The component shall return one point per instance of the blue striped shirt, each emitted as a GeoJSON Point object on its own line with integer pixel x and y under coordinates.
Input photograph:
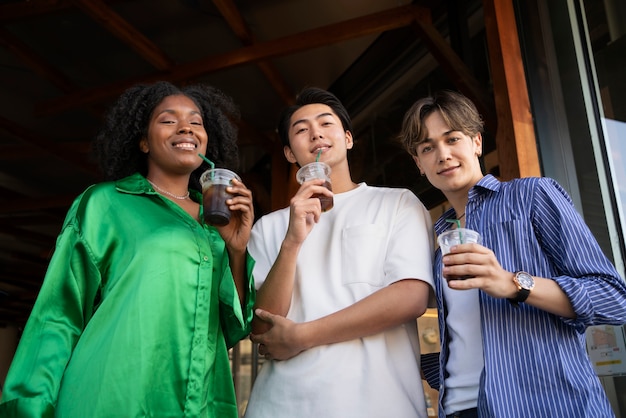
{"type": "Point", "coordinates": [536, 364]}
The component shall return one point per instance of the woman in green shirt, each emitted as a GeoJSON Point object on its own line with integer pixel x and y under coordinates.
{"type": "Point", "coordinates": [142, 299]}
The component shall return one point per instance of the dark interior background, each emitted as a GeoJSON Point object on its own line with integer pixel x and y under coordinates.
{"type": "Point", "coordinates": [62, 62]}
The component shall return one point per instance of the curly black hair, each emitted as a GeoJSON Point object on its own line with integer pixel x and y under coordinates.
{"type": "Point", "coordinates": [116, 145]}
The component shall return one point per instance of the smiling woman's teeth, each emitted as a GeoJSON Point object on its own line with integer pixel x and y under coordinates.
{"type": "Point", "coordinates": [186, 146]}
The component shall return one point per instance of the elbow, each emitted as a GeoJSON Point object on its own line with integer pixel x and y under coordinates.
{"type": "Point", "coordinates": [421, 310]}
{"type": "Point", "coordinates": [418, 293]}
{"type": "Point", "coordinates": [417, 309]}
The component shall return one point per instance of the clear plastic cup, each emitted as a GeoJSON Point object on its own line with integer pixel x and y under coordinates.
{"type": "Point", "coordinates": [214, 195]}
{"type": "Point", "coordinates": [455, 237]}
{"type": "Point", "coordinates": [317, 170]}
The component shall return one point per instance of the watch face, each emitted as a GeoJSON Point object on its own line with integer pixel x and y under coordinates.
{"type": "Point", "coordinates": [525, 280]}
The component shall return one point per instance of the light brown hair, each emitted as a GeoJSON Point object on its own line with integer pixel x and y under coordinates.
{"type": "Point", "coordinates": [458, 111]}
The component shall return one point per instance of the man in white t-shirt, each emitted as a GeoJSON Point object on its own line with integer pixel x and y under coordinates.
{"type": "Point", "coordinates": [338, 291]}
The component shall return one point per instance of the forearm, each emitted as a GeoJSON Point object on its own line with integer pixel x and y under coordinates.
{"type": "Point", "coordinates": [391, 306]}
{"type": "Point", "coordinates": [548, 296]}
{"type": "Point", "coordinates": [276, 292]}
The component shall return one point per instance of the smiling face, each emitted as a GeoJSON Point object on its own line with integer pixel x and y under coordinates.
{"type": "Point", "coordinates": [448, 158]}
{"type": "Point", "coordinates": [176, 136]}
{"type": "Point", "coordinates": [315, 128]}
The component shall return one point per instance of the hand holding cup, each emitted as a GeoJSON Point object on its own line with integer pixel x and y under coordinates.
{"type": "Point", "coordinates": [454, 237]}
{"type": "Point", "coordinates": [214, 195]}
{"type": "Point", "coordinates": [317, 170]}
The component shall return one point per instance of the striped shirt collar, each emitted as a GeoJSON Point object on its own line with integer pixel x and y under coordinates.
{"type": "Point", "coordinates": [487, 183]}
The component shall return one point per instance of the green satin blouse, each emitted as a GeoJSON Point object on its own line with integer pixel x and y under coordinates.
{"type": "Point", "coordinates": [135, 315]}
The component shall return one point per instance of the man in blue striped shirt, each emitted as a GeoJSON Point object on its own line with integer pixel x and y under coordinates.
{"type": "Point", "coordinates": [513, 333]}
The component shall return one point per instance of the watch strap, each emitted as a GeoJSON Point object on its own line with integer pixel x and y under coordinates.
{"type": "Point", "coordinates": [522, 295]}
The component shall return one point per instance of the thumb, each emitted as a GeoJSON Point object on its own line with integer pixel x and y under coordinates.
{"type": "Point", "coordinates": [264, 316]}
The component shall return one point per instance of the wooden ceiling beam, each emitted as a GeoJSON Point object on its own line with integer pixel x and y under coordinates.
{"type": "Point", "coordinates": [120, 28]}
{"type": "Point", "coordinates": [34, 62]}
{"type": "Point", "coordinates": [40, 66]}
{"type": "Point", "coordinates": [456, 70]}
{"type": "Point", "coordinates": [124, 31]}
{"type": "Point", "coordinates": [330, 34]}
{"type": "Point", "coordinates": [235, 21]}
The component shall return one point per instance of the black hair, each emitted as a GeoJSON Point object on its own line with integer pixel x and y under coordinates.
{"type": "Point", "coordinates": [116, 145]}
{"type": "Point", "coordinates": [312, 95]}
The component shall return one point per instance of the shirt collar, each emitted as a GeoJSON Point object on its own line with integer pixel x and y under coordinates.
{"type": "Point", "coordinates": [487, 183]}
{"type": "Point", "coordinates": [134, 184]}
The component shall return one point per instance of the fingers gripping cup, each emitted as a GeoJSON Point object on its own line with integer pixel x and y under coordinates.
{"type": "Point", "coordinates": [214, 195]}
{"type": "Point", "coordinates": [455, 237]}
{"type": "Point", "coordinates": [317, 170]}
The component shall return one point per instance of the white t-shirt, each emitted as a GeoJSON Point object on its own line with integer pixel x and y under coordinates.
{"type": "Point", "coordinates": [372, 237]}
{"type": "Point", "coordinates": [464, 342]}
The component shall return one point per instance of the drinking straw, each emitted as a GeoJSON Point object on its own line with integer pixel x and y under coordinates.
{"type": "Point", "coordinates": [458, 226]}
{"type": "Point", "coordinates": [210, 163]}
{"type": "Point", "coordinates": [318, 156]}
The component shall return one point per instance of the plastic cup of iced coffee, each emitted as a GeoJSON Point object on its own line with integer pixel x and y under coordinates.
{"type": "Point", "coordinates": [454, 237]}
{"type": "Point", "coordinates": [214, 195]}
{"type": "Point", "coordinates": [317, 170]}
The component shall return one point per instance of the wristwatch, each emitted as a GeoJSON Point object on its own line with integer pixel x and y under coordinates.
{"type": "Point", "coordinates": [525, 284]}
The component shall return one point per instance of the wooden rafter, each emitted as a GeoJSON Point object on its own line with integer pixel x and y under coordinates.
{"type": "Point", "coordinates": [123, 30]}
{"type": "Point", "coordinates": [330, 34]}
{"type": "Point", "coordinates": [234, 19]}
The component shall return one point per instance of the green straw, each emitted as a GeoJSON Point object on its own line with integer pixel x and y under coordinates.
{"type": "Point", "coordinates": [458, 226]}
{"type": "Point", "coordinates": [209, 162]}
{"type": "Point", "coordinates": [318, 156]}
